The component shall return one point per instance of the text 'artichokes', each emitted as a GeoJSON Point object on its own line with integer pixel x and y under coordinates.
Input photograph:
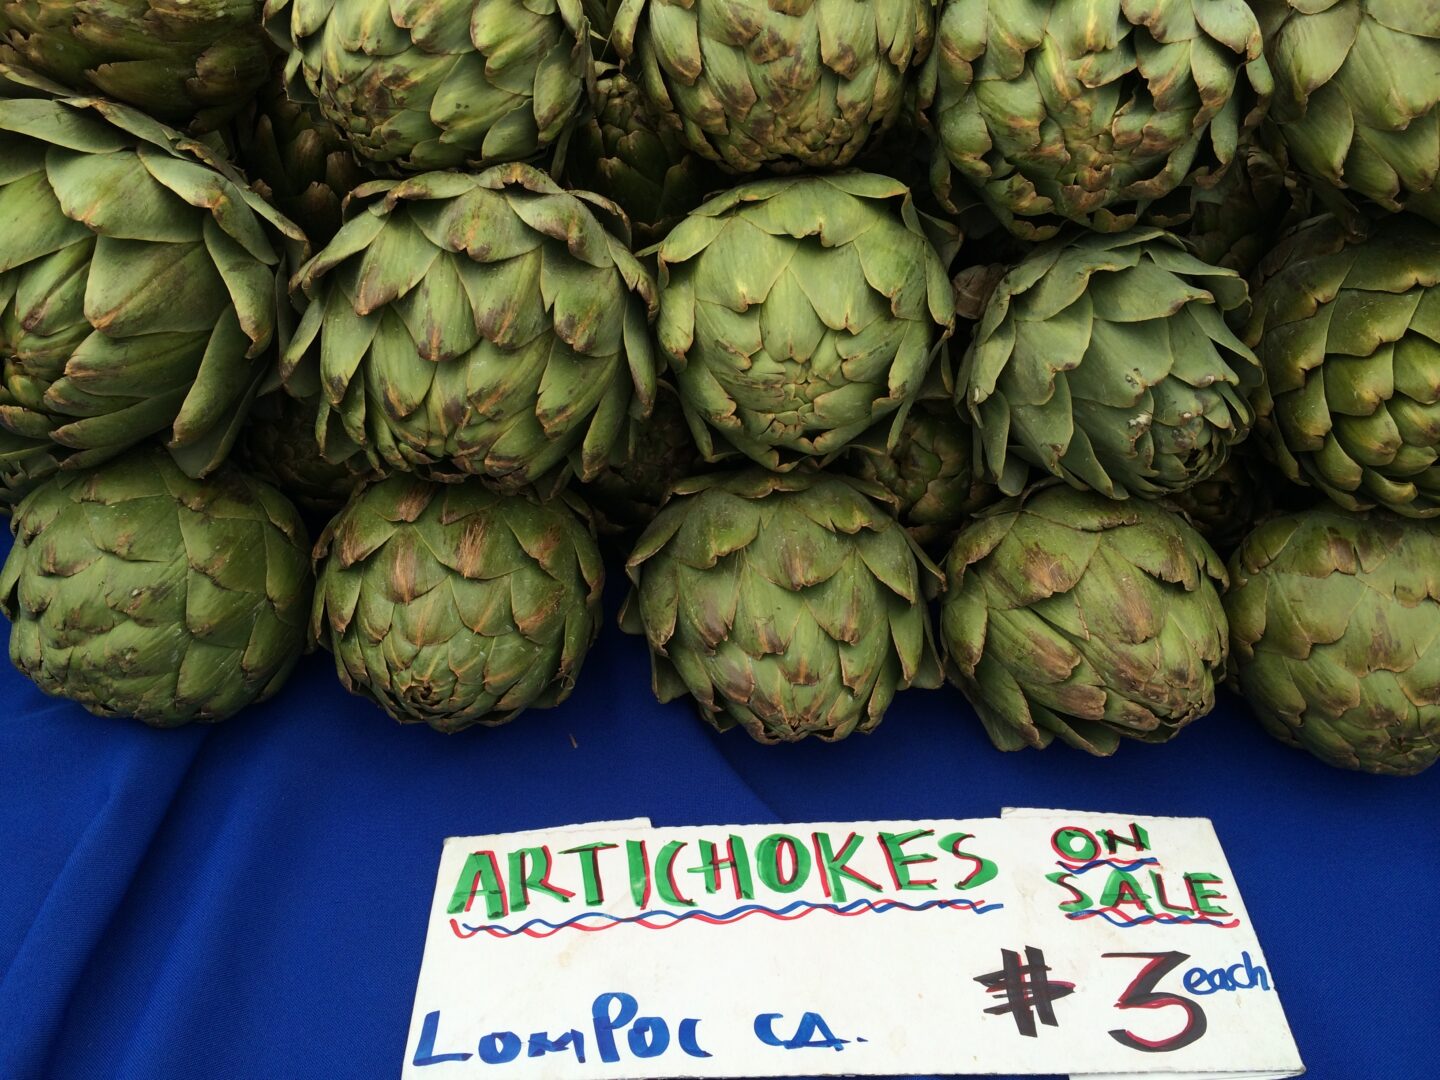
{"type": "Point", "coordinates": [1335, 636]}
{"type": "Point", "coordinates": [451, 604]}
{"type": "Point", "coordinates": [475, 324]}
{"type": "Point", "coordinates": [138, 286]}
{"type": "Point", "coordinates": [180, 61]}
{"type": "Point", "coordinates": [791, 605]}
{"type": "Point", "coordinates": [797, 312]}
{"type": "Point", "coordinates": [1091, 111]}
{"type": "Point", "coordinates": [137, 591]}
{"type": "Point", "coordinates": [1106, 360]}
{"type": "Point", "coordinates": [1357, 95]}
{"type": "Point", "coordinates": [784, 83]}
{"type": "Point", "coordinates": [1069, 616]}
{"type": "Point", "coordinates": [420, 86]}
{"type": "Point", "coordinates": [1349, 332]}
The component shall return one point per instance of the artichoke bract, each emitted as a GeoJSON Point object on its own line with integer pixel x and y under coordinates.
{"type": "Point", "coordinates": [788, 84]}
{"type": "Point", "coordinates": [622, 152]}
{"type": "Point", "coordinates": [797, 312]}
{"type": "Point", "coordinates": [453, 605]}
{"type": "Point", "coordinates": [1357, 100]}
{"type": "Point", "coordinates": [1090, 111]}
{"type": "Point", "coordinates": [1073, 617]}
{"type": "Point", "coordinates": [1106, 360]}
{"type": "Point", "coordinates": [482, 324]}
{"type": "Point", "coordinates": [1225, 506]}
{"type": "Point", "coordinates": [137, 591]}
{"type": "Point", "coordinates": [415, 86]}
{"type": "Point", "coordinates": [138, 286]}
{"type": "Point", "coordinates": [791, 605]}
{"type": "Point", "coordinates": [185, 62]}
{"type": "Point", "coordinates": [1335, 636]}
{"type": "Point", "coordinates": [1349, 332]}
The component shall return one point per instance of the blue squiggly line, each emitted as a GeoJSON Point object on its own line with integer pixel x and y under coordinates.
{"type": "Point", "coordinates": [1128, 868]}
{"type": "Point", "coordinates": [1125, 921]}
{"type": "Point", "coordinates": [855, 906]}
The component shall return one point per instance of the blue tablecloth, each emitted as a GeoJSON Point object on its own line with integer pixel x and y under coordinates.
{"type": "Point", "coordinates": [167, 898]}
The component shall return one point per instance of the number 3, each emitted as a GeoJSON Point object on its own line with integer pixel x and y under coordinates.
{"type": "Point", "coordinates": [1140, 994]}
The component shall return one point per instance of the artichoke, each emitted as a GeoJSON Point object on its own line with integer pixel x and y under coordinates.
{"type": "Point", "coordinates": [790, 604]}
{"type": "Point", "coordinates": [1349, 332]}
{"type": "Point", "coordinates": [1228, 503]}
{"type": "Point", "coordinates": [797, 312]}
{"type": "Point", "coordinates": [1335, 636]}
{"type": "Point", "coordinates": [415, 86]}
{"type": "Point", "coordinates": [929, 471]}
{"type": "Point", "coordinates": [279, 447]}
{"type": "Point", "coordinates": [622, 153]}
{"type": "Point", "coordinates": [138, 286]}
{"type": "Point", "coordinates": [1071, 616]}
{"type": "Point", "coordinates": [1235, 223]}
{"type": "Point", "coordinates": [1090, 111]}
{"type": "Point", "coordinates": [452, 605]}
{"type": "Point", "coordinates": [137, 591]}
{"type": "Point", "coordinates": [789, 84]}
{"type": "Point", "coordinates": [1106, 360]}
{"type": "Point", "coordinates": [474, 325]}
{"type": "Point", "coordinates": [1357, 98]}
{"type": "Point", "coordinates": [647, 461]}
{"type": "Point", "coordinates": [182, 61]}
{"type": "Point", "coordinates": [297, 160]}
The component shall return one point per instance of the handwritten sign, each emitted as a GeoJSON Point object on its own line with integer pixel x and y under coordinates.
{"type": "Point", "coordinates": [1041, 942]}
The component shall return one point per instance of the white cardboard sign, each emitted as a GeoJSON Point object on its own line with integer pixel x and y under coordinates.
{"type": "Point", "coordinates": [1102, 945]}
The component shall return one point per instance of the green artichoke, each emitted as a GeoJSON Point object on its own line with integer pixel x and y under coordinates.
{"type": "Point", "coordinates": [646, 462]}
{"type": "Point", "coordinates": [416, 86]}
{"type": "Point", "coordinates": [929, 471]}
{"type": "Point", "coordinates": [279, 447]}
{"type": "Point", "coordinates": [482, 324]}
{"type": "Point", "coordinates": [1357, 95]}
{"type": "Point", "coordinates": [791, 604]}
{"type": "Point", "coordinates": [452, 605]}
{"type": "Point", "coordinates": [1335, 636]}
{"type": "Point", "coordinates": [788, 84]}
{"type": "Point", "coordinates": [1235, 223]}
{"type": "Point", "coordinates": [1071, 616]}
{"type": "Point", "coordinates": [297, 160]}
{"type": "Point", "coordinates": [1090, 111]}
{"type": "Point", "coordinates": [797, 312]}
{"type": "Point", "coordinates": [138, 287]}
{"type": "Point", "coordinates": [137, 591]}
{"type": "Point", "coordinates": [1349, 332]}
{"type": "Point", "coordinates": [181, 61]}
{"type": "Point", "coordinates": [1225, 506]}
{"type": "Point", "coordinates": [620, 151]}
{"type": "Point", "coordinates": [1106, 360]}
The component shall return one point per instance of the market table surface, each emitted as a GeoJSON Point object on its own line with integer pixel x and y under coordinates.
{"type": "Point", "coordinates": [249, 899]}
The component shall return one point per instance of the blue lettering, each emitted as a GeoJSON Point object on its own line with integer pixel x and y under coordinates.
{"type": "Point", "coordinates": [650, 1037]}
{"type": "Point", "coordinates": [541, 1044]}
{"type": "Point", "coordinates": [606, 1025]}
{"type": "Point", "coordinates": [689, 1041]}
{"type": "Point", "coordinates": [499, 1047]}
{"type": "Point", "coordinates": [812, 1032]}
{"type": "Point", "coordinates": [1205, 982]}
{"type": "Point", "coordinates": [425, 1050]}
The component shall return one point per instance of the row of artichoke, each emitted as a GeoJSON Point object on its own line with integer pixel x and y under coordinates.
{"type": "Point", "coordinates": [470, 284]}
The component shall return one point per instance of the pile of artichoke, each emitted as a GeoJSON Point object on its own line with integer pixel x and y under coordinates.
{"type": "Point", "coordinates": [882, 343]}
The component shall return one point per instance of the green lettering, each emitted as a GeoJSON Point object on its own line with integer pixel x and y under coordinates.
{"type": "Point", "coordinates": [480, 874]}
{"type": "Point", "coordinates": [899, 862]}
{"type": "Point", "coordinates": [1201, 895]}
{"type": "Point", "coordinates": [590, 870]}
{"type": "Point", "coordinates": [768, 855]}
{"type": "Point", "coordinates": [984, 870]}
{"type": "Point", "coordinates": [833, 868]}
